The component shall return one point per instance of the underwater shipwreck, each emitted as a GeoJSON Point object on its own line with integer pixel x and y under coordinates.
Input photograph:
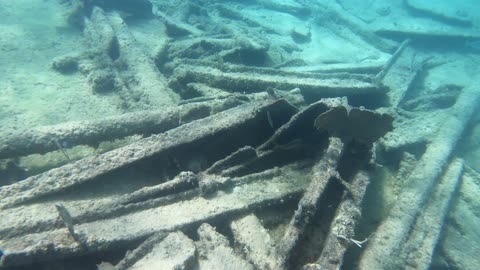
{"type": "Point", "coordinates": [239, 138]}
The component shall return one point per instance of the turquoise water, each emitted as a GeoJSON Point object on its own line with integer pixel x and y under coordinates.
{"type": "Point", "coordinates": [119, 119]}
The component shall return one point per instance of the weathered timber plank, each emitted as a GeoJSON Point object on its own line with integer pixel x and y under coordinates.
{"type": "Point", "coordinates": [43, 139]}
{"type": "Point", "coordinates": [342, 229]}
{"type": "Point", "coordinates": [419, 248]}
{"type": "Point", "coordinates": [252, 238]}
{"type": "Point", "coordinates": [157, 254]}
{"type": "Point", "coordinates": [401, 71]}
{"type": "Point", "coordinates": [317, 85]}
{"type": "Point", "coordinates": [104, 234]}
{"type": "Point", "coordinates": [322, 173]}
{"type": "Point", "coordinates": [87, 169]}
{"type": "Point", "coordinates": [385, 246]}
{"type": "Point", "coordinates": [215, 251]}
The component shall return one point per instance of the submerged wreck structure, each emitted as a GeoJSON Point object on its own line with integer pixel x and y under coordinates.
{"type": "Point", "coordinates": [236, 153]}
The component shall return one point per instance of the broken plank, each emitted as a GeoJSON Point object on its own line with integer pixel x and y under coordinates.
{"type": "Point", "coordinates": [416, 130]}
{"type": "Point", "coordinates": [294, 8]}
{"type": "Point", "coordinates": [317, 85]}
{"type": "Point", "coordinates": [105, 234]}
{"type": "Point", "coordinates": [342, 228]}
{"type": "Point", "coordinates": [215, 252]}
{"type": "Point", "coordinates": [452, 12]}
{"type": "Point", "coordinates": [142, 74]}
{"type": "Point", "coordinates": [300, 123]}
{"type": "Point", "coordinates": [254, 240]}
{"type": "Point", "coordinates": [418, 251]}
{"type": "Point", "coordinates": [364, 67]}
{"type": "Point", "coordinates": [322, 173]}
{"type": "Point", "coordinates": [42, 139]}
{"type": "Point", "coordinates": [252, 115]}
{"type": "Point", "coordinates": [384, 248]}
{"type": "Point", "coordinates": [332, 14]}
{"type": "Point", "coordinates": [400, 72]}
{"type": "Point", "coordinates": [174, 27]}
{"type": "Point", "coordinates": [161, 252]}
{"type": "Point", "coordinates": [18, 221]}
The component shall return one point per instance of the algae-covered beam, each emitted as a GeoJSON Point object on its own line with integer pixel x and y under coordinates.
{"type": "Point", "coordinates": [453, 14]}
{"type": "Point", "coordinates": [300, 123]}
{"type": "Point", "coordinates": [141, 74]}
{"type": "Point", "coordinates": [156, 251]}
{"type": "Point", "coordinates": [400, 72]}
{"type": "Point", "coordinates": [236, 14]}
{"type": "Point", "coordinates": [418, 251]}
{"type": "Point", "coordinates": [120, 63]}
{"type": "Point", "coordinates": [322, 173]}
{"type": "Point", "coordinates": [333, 15]}
{"type": "Point", "coordinates": [43, 139]}
{"type": "Point", "coordinates": [115, 232]}
{"type": "Point", "coordinates": [251, 237]}
{"type": "Point", "coordinates": [314, 85]}
{"type": "Point", "coordinates": [393, 59]}
{"type": "Point", "coordinates": [174, 27]}
{"type": "Point", "coordinates": [367, 67]}
{"type": "Point", "coordinates": [342, 229]}
{"type": "Point", "coordinates": [385, 246]}
{"type": "Point", "coordinates": [215, 252]}
{"type": "Point", "coordinates": [18, 221]}
{"type": "Point", "coordinates": [227, 123]}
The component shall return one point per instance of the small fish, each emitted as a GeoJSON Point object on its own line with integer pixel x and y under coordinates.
{"type": "Point", "coordinates": [269, 118]}
{"type": "Point", "coordinates": [66, 144]}
{"type": "Point", "coordinates": [62, 149]}
{"type": "Point", "coordinates": [67, 221]}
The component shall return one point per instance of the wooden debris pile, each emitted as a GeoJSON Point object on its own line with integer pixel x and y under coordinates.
{"type": "Point", "coordinates": [252, 158]}
{"type": "Point", "coordinates": [270, 167]}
